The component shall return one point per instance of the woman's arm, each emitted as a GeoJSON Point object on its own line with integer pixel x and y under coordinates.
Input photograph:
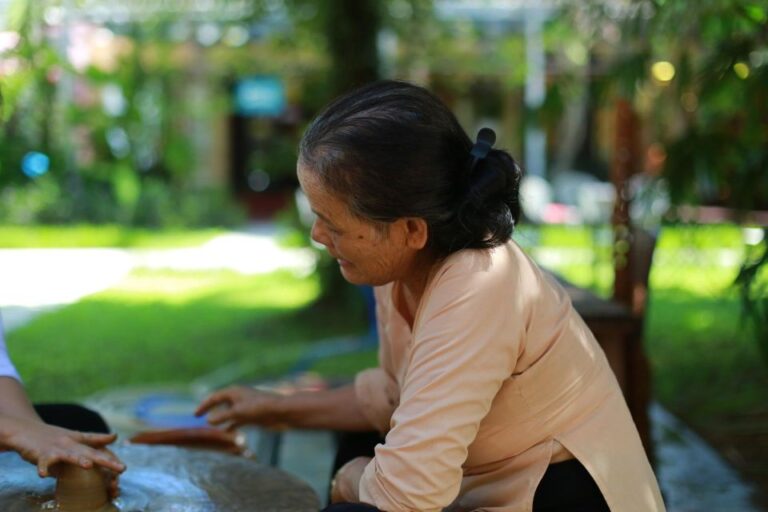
{"type": "Point", "coordinates": [14, 400]}
{"type": "Point", "coordinates": [46, 445]}
{"type": "Point", "coordinates": [22, 430]}
{"type": "Point", "coordinates": [336, 409]}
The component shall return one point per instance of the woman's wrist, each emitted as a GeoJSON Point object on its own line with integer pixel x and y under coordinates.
{"type": "Point", "coordinates": [281, 410]}
{"type": "Point", "coordinates": [346, 482]}
{"type": "Point", "coordinates": [8, 430]}
{"type": "Point", "coordinates": [295, 410]}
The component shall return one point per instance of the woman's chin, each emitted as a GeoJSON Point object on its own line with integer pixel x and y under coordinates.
{"type": "Point", "coordinates": [348, 274]}
{"type": "Point", "coordinates": [351, 276]}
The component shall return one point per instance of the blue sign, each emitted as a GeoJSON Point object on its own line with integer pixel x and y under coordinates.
{"type": "Point", "coordinates": [260, 96]}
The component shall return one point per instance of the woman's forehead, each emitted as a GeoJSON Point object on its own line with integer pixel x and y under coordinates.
{"type": "Point", "coordinates": [323, 200]}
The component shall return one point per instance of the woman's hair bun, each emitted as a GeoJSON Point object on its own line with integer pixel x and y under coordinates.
{"type": "Point", "coordinates": [491, 208]}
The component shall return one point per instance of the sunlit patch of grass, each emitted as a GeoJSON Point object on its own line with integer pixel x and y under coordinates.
{"type": "Point", "coordinates": [108, 235]}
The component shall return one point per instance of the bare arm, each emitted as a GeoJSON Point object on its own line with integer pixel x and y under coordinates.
{"type": "Point", "coordinates": [335, 409]}
{"type": "Point", "coordinates": [14, 400]}
{"type": "Point", "coordinates": [22, 430]}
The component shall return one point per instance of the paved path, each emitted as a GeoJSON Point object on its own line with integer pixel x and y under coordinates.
{"type": "Point", "coordinates": [37, 280]}
{"type": "Point", "coordinates": [693, 476]}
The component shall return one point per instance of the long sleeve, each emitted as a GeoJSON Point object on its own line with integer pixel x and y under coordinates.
{"type": "Point", "coordinates": [376, 392]}
{"type": "Point", "coordinates": [6, 366]}
{"type": "Point", "coordinates": [466, 340]}
{"type": "Point", "coordinates": [376, 389]}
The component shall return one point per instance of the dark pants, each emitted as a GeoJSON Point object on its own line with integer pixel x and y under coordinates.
{"type": "Point", "coordinates": [565, 487]}
{"type": "Point", "coordinates": [73, 417]}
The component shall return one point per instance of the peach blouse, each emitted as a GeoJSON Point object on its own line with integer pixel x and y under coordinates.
{"type": "Point", "coordinates": [497, 374]}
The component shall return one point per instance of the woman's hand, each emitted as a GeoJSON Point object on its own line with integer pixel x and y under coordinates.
{"type": "Point", "coordinates": [239, 405]}
{"type": "Point", "coordinates": [45, 445]}
{"type": "Point", "coordinates": [109, 476]}
{"type": "Point", "coordinates": [345, 484]}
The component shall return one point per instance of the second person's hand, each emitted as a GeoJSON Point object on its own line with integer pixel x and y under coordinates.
{"type": "Point", "coordinates": [240, 405]}
{"type": "Point", "coordinates": [46, 445]}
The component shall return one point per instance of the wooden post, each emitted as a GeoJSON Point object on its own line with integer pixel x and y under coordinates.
{"type": "Point", "coordinates": [629, 254]}
{"type": "Point", "coordinates": [624, 165]}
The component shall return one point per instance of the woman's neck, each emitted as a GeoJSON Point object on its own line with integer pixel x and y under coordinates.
{"type": "Point", "coordinates": [412, 286]}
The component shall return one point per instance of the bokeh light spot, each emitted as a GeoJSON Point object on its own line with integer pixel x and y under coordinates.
{"type": "Point", "coordinates": [741, 69]}
{"type": "Point", "coordinates": [35, 164]}
{"type": "Point", "coordinates": [663, 71]}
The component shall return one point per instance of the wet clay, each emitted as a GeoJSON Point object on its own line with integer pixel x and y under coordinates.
{"type": "Point", "coordinates": [204, 438]}
{"type": "Point", "coordinates": [80, 490]}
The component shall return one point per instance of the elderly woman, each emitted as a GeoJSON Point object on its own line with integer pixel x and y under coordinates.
{"type": "Point", "coordinates": [491, 393]}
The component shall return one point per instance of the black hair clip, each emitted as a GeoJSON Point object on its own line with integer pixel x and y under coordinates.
{"type": "Point", "coordinates": [485, 140]}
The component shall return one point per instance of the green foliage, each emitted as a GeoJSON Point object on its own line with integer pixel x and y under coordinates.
{"type": "Point", "coordinates": [124, 133]}
{"type": "Point", "coordinates": [158, 205]}
{"type": "Point", "coordinates": [38, 202]}
{"type": "Point", "coordinates": [752, 281]}
{"type": "Point", "coordinates": [715, 147]}
{"type": "Point", "coordinates": [149, 204]}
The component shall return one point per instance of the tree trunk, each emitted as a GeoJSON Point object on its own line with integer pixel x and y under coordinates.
{"type": "Point", "coordinates": [352, 27]}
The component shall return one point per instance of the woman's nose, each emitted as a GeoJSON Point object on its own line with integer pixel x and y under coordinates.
{"type": "Point", "coordinates": [318, 234]}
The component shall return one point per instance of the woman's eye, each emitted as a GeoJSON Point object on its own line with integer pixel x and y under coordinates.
{"type": "Point", "coordinates": [331, 229]}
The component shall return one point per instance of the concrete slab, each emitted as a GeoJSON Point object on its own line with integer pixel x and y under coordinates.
{"type": "Point", "coordinates": [309, 455]}
{"type": "Point", "coordinates": [692, 475]}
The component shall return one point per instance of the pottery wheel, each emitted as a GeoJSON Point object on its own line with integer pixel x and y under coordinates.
{"type": "Point", "coordinates": [170, 479]}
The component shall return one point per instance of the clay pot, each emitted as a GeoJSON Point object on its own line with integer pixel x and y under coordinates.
{"type": "Point", "coordinates": [80, 490]}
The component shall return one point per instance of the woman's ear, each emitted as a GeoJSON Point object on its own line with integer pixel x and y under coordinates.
{"type": "Point", "coordinates": [416, 232]}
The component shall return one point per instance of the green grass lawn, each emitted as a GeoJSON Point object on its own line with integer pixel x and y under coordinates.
{"type": "Point", "coordinates": [171, 327]}
{"type": "Point", "coordinates": [13, 237]}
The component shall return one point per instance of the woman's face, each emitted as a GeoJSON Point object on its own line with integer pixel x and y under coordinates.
{"type": "Point", "coordinates": [366, 254]}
